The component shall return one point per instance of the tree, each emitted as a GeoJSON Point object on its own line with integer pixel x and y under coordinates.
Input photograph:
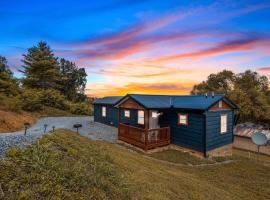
{"type": "Point", "coordinates": [8, 84]}
{"type": "Point", "coordinates": [221, 83]}
{"type": "Point", "coordinates": [73, 80]}
{"type": "Point", "coordinates": [41, 68]}
{"type": "Point", "coordinates": [249, 90]}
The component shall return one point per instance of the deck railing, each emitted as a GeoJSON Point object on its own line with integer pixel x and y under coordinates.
{"type": "Point", "coordinates": [144, 138]}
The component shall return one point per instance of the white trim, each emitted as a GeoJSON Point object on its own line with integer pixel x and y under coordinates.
{"type": "Point", "coordinates": [220, 104]}
{"type": "Point", "coordinates": [127, 113]}
{"type": "Point", "coordinates": [141, 117]}
{"type": "Point", "coordinates": [223, 123]}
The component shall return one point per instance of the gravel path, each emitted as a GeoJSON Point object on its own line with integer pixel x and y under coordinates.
{"type": "Point", "coordinates": [90, 129]}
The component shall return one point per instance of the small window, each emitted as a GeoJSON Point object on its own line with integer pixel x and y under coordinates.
{"type": "Point", "coordinates": [127, 113]}
{"type": "Point", "coordinates": [140, 117]}
{"type": "Point", "coordinates": [154, 114]}
{"type": "Point", "coordinates": [220, 104]}
{"type": "Point", "coordinates": [182, 119]}
{"type": "Point", "coordinates": [103, 111]}
{"type": "Point", "coordinates": [223, 123]}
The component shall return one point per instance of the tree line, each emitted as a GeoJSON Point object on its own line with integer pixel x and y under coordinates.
{"type": "Point", "coordinates": [249, 90]}
{"type": "Point", "coordinates": [47, 81]}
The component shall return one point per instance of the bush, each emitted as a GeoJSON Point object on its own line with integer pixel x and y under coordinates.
{"type": "Point", "coordinates": [36, 99]}
{"type": "Point", "coordinates": [10, 103]}
{"type": "Point", "coordinates": [53, 98]}
{"type": "Point", "coordinates": [31, 100]}
{"type": "Point", "coordinates": [81, 108]}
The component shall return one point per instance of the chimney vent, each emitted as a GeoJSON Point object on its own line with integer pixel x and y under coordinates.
{"type": "Point", "coordinates": [213, 94]}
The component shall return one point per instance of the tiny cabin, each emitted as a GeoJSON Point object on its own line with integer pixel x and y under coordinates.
{"type": "Point", "coordinates": [105, 112]}
{"type": "Point", "coordinates": [198, 122]}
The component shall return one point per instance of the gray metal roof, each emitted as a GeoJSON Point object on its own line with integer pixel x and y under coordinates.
{"type": "Point", "coordinates": [199, 102]}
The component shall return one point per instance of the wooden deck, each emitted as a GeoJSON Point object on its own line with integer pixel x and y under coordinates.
{"type": "Point", "coordinates": [144, 138]}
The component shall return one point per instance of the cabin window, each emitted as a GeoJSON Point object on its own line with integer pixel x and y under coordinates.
{"type": "Point", "coordinates": [220, 104]}
{"type": "Point", "coordinates": [182, 119]}
{"type": "Point", "coordinates": [140, 117]}
{"type": "Point", "coordinates": [223, 123]}
{"type": "Point", "coordinates": [154, 114]}
{"type": "Point", "coordinates": [103, 111]}
{"type": "Point", "coordinates": [127, 113]}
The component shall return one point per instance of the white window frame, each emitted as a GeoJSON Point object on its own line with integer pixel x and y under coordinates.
{"type": "Point", "coordinates": [103, 111]}
{"type": "Point", "coordinates": [141, 117]}
{"type": "Point", "coordinates": [182, 119]}
{"type": "Point", "coordinates": [127, 113]}
{"type": "Point", "coordinates": [220, 104]}
{"type": "Point", "coordinates": [223, 123]}
{"type": "Point", "coordinates": [154, 114]}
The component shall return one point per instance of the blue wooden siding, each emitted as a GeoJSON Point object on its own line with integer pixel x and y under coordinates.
{"type": "Point", "coordinates": [111, 115]}
{"type": "Point", "coordinates": [214, 138]}
{"type": "Point", "coordinates": [132, 120]}
{"type": "Point", "coordinates": [190, 136]}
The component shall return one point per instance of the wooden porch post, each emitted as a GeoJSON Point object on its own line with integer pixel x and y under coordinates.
{"type": "Point", "coordinates": [118, 121]}
{"type": "Point", "coordinates": [146, 127]}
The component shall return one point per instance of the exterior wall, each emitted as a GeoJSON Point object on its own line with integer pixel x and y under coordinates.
{"type": "Point", "coordinates": [111, 115]}
{"type": "Point", "coordinates": [132, 120]}
{"type": "Point", "coordinates": [214, 138]}
{"type": "Point", "coordinates": [190, 136]}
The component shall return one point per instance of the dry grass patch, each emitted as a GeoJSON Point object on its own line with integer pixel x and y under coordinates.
{"type": "Point", "coordinates": [14, 121]}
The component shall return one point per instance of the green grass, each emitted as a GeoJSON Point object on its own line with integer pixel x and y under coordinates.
{"type": "Point", "coordinates": [62, 166]}
{"type": "Point", "coordinates": [184, 158]}
{"type": "Point", "coordinates": [68, 166]}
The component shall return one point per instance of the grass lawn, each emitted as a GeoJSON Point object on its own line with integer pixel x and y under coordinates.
{"type": "Point", "coordinates": [175, 156]}
{"type": "Point", "coordinates": [67, 166]}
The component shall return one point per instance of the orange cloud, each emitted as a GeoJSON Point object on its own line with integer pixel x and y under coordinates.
{"type": "Point", "coordinates": [153, 88]}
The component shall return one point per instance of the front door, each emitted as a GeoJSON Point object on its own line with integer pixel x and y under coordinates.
{"type": "Point", "coordinates": [153, 119]}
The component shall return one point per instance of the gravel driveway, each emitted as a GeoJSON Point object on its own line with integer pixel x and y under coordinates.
{"type": "Point", "coordinates": [90, 129]}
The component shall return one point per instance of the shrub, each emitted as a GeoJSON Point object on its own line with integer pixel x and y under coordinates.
{"type": "Point", "coordinates": [10, 103]}
{"type": "Point", "coordinates": [31, 100]}
{"type": "Point", "coordinates": [81, 108]}
{"type": "Point", "coordinates": [53, 98]}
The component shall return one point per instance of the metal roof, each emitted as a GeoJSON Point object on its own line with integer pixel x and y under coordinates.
{"type": "Point", "coordinates": [198, 102]}
{"type": "Point", "coordinates": [111, 100]}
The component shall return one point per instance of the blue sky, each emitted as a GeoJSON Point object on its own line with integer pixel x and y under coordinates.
{"type": "Point", "coordinates": [142, 45]}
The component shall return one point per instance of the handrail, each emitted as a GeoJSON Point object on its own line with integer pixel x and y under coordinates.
{"type": "Point", "coordinates": [144, 138]}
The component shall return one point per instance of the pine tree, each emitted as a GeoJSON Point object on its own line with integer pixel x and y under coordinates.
{"type": "Point", "coordinates": [73, 80]}
{"type": "Point", "coordinates": [8, 84]}
{"type": "Point", "coordinates": [41, 69]}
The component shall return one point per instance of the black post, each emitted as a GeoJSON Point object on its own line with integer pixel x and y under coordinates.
{"type": "Point", "coordinates": [26, 126]}
{"type": "Point", "coordinates": [45, 127]}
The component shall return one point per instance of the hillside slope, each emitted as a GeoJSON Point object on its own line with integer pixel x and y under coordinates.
{"type": "Point", "coordinates": [68, 166]}
{"type": "Point", "coordinates": [14, 121]}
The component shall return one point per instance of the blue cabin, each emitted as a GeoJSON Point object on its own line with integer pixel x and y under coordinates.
{"type": "Point", "coordinates": [105, 112]}
{"type": "Point", "coordinates": [198, 122]}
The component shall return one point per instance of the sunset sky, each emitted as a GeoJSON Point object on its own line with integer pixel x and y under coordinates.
{"type": "Point", "coordinates": [141, 46]}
